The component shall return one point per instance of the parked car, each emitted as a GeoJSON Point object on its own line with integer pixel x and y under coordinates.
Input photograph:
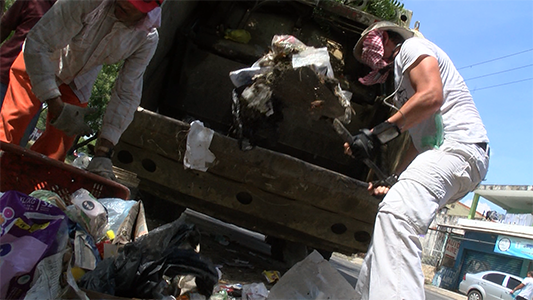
{"type": "Point", "coordinates": [489, 285]}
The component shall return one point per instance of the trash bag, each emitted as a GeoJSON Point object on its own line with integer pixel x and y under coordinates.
{"type": "Point", "coordinates": [138, 269]}
{"type": "Point", "coordinates": [30, 230]}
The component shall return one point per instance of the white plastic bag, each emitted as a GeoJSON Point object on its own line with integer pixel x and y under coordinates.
{"type": "Point", "coordinates": [197, 155]}
{"type": "Point", "coordinates": [312, 278]}
{"type": "Point", "coordinates": [317, 58]}
{"type": "Point", "coordinates": [254, 291]}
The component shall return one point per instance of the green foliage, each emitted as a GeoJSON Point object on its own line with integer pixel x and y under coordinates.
{"type": "Point", "coordinates": [101, 93]}
{"type": "Point", "coordinates": [383, 9]}
{"type": "Point", "coordinates": [8, 4]}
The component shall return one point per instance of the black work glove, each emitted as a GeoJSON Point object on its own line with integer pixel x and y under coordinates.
{"type": "Point", "coordinates": [366, 142]}
{"type": "Point", "coordinates": [388, 182]}
{"type": "Point", "coordinates": [363, 145]}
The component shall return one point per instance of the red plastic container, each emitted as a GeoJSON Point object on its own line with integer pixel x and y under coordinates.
{"type": "Point", "coordinates": [26, 171]}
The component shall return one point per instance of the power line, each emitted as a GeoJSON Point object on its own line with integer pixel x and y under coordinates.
{"type": "Point", "coordinates": [507, 83]}
{"type": "Point", "coordinates": [494, 59]}
{"type": "Point", "coordinates": [508, 70]}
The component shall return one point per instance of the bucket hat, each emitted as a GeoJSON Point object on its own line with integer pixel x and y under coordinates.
{"type": "Point", "coordinates": [146, 6]}
{"type": "Point", "coordinates": [382, 25]}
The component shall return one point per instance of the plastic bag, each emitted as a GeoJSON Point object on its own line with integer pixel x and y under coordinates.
{"type": "Point", "coordinates": [312, 278]}
{"type": "Point", "coordinates": [197, 155]}
{"type": "Point", "coordinates": [138, 269]}
{"type": "Point", "coordinates": [286, 44]}
{"type": "Point", "coordinates": [117, 210]}
{"type": "Point", "coordinates": [50, 197]}
{"type": "Point", "coordinates": [254, 291]}
{"type": "Point", "coordinates": [318, 59]}
{"type": "Point", "coordinates": [31, 229]}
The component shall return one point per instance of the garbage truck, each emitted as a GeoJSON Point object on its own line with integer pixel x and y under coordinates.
{"type": "Point", "coordinates": [273, 162]}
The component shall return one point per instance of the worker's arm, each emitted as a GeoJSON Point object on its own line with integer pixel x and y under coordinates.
{"type": "Point", "coordinates": [4, 32]}
{"type": "Point", "coordinates": [517, 288]}
{"type": "Point", "coordinates": [127, 91]}
{"type": "Point", "coordinates": [11, 19]}
{"type": "Point", "coordinates": [54, 30]}
{"type": "Point", "coordinates": [101, 163]}
{"type": "Point", "coordinates": [104, 148]}
{"type": "Point", "coordinates": [425, 78]}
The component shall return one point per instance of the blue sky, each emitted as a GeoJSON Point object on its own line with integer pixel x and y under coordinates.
{"type": "Point", "coordinates": [473, 32]}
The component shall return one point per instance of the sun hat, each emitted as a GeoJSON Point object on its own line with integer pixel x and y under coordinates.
{"type": "Point", "coordinates": [146, 6]}
{"type": "Point", "coordinates": [382, 25]}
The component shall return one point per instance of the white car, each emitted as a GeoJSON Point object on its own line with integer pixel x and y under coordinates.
{"type": "Point", "coordinates": [489, 285]}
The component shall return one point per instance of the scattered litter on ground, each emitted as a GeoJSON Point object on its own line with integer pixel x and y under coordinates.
{"type": "Point", "coordinates": [76, 254]}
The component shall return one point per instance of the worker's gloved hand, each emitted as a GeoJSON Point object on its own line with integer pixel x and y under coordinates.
{"type": "Point", "coordinates": [103, 167]}
{"type": "Point", "coordinates": [387, 182]}
{"type": "Point", "coordinates": [72, 120]}
{"type": "Point", "coordinates": [363, 145]}
{"type": "Point", "coordinates": [367, 141]}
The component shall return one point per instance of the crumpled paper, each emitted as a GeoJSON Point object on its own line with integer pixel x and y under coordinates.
{"type": "Point", "coordinates": [197, 155]}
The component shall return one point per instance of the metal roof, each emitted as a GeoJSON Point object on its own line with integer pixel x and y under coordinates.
{"type": "Point", "coordinates": [515, 199]}
{"type": "Point", "coordinates": [489, 227]}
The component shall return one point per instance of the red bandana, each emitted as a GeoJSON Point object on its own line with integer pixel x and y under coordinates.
{"type": "Point", "coordinates": [372, 55]}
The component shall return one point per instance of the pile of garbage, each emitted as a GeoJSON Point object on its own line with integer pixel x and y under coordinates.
{"type": "Point", "coordinates": [100, 248]}
{"type": "Point", "coordinates": [290, 77]}
{"type": "Point", "coordinates": [311, 278]}
{"type": "Point", "coordinates": [51, 249]}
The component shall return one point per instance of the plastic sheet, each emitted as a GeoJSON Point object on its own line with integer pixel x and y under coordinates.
{"type": "Point", "coordinates": [312, 278]}
{"type": "Point", "coordinates": [117, 210]}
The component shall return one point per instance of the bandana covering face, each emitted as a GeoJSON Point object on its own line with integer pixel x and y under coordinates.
{"type": "Point", "coordinates": [372, 55]}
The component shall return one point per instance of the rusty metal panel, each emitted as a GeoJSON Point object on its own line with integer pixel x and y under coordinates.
{"type": "Point", "coordinates": [261, 190]}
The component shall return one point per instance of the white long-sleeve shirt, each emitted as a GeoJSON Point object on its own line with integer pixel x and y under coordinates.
{"type": "Point", "coordinates": [72, 41]}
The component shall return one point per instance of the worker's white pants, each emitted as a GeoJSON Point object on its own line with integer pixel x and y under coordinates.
{"type": "Point", "coordinates": [392, 267]}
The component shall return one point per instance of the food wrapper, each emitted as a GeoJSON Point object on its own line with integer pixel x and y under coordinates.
{"type": "Point", "coordinates": [271, 276]}
{"type": "Point", "coordinates": [89, 213]}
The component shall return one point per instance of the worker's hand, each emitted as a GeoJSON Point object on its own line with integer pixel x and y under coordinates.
{"type": "Point", "coordinates": [377, 190]}
{"type": "Point", "coordinates": [363, 145]}
{"type": "Point", "coordinates": [382, 187]}
{"type": "Point", "coordinates": [71, 119]}
{"type": "Point", "coordinates": [102, 166]}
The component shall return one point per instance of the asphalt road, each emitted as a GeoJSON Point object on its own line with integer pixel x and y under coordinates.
{"type": "Point", "coordinates": [254, 242]}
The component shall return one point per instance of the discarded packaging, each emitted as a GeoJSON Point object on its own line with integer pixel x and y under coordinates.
{"type": "Point", "coordinates": [271, 276]}
{"type": "Point", "coordinates": [254, 291]}
{"type": "Point", "coordinates": [197, 155]}
{"type": "Point", "coordinates": [89, 213]}
{"type": "Point", "coordinates": [312, 278]}
{"type": "Point", "coordinates": [31, 230]}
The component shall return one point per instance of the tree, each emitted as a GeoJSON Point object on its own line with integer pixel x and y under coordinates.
{"type": "Point", "coordinates": [100, 95]}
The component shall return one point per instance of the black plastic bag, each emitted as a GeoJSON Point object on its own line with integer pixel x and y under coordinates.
{"type": "Point", "coordinates": [138, 269]}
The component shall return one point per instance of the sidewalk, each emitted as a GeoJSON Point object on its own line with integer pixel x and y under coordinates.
{"type": "Point", "coordinates": [448, 294]}
{"type": "Point", "coordinates": [444, 292]}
